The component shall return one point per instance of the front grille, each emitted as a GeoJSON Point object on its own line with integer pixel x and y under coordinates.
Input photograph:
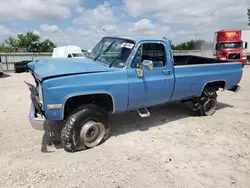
{"type": "Point", "coordinates": [234, 56]}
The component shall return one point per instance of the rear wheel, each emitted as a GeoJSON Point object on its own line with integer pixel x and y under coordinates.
{"type": "Point", "coordinates": [86, 128]}
{"type": "Point", "coordinates": [209, 107]}
{"type": "Point", "coordinates": [206, 104]}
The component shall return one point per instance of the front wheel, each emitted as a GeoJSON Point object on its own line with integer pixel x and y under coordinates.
{"type": "Point", "coordinates": [86, 128]}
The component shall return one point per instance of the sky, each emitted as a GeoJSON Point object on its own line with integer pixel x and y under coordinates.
{"type": "Point", "coordinates": [85, 22]}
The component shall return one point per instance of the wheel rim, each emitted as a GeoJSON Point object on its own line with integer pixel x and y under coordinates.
{"type": "Point", "coordinates": [209, 106]}
{"type": "Point", "coordinates": [92, 133]}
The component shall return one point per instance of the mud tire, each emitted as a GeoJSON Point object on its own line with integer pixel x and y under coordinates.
{"type": "Point", "coordinates": [71, 131]}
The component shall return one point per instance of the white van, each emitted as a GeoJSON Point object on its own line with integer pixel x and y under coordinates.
{"type": "Point", "coordinates": [69, 51]}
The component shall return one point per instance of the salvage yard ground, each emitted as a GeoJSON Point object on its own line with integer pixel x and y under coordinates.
{"type": "Point", "coordinates": [168, 149]}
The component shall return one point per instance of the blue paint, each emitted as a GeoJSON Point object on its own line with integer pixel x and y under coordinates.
{"type": "Point", "coordinates": [57, 66]}
{"type": "Point", "coordinates": [190, 80]}
{"type": "Point", "coordinates": [128, 91]}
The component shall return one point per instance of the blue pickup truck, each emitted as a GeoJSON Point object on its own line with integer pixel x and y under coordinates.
{"type": "Point", "coordinates": [122, 74]}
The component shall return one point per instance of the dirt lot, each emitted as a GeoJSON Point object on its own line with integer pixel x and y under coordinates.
{"type": "Point", "coordinates": [168, 149]}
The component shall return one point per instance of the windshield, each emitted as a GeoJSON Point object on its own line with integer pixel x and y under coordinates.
{"type": "Point", "coordinates": [112, 50]}
{"type": "Point", "coordinates": [231, 45]}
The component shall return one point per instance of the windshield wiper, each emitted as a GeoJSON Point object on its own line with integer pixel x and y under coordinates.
{"type": "Point", "coordinates": [112, 63]}
{"type": "Point", "coordinates": [109, 46]}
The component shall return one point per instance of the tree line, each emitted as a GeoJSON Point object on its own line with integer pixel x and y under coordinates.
{"type": "Point", "coordinates": [29, 42]}
{"type": "Point", "coordinates": [193, 45]}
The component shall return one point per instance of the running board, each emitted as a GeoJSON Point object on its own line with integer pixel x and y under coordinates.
{"type": "Point", "coordinates": [145, 114]}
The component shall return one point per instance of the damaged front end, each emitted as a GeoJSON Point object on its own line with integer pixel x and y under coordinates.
{"type": "Point", "coordinates": [36, 115]}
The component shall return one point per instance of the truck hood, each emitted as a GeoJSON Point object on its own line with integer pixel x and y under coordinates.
{"type": "Point", "coordinates": [55, 67]}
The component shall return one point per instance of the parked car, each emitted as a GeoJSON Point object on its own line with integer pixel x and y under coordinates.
{"type": "Point", "coordinates": [21, 66]}
{"type": "Point", "coordinates": [122, 74]}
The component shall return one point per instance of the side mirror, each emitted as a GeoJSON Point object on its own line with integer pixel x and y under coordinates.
{"type": "Point", "coordinates": [147, 64]}
{"type": "Point", "coordinates": [245, 45]}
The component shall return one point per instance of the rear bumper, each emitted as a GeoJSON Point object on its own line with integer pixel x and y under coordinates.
{"type": "Point", "coordinates": [36, 121]}
{"type": "Point", "coordinates": [235, 88]}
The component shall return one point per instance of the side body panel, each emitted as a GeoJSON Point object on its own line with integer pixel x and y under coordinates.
{"type": "Point", "coordinates": [191, 79]}
{"type": "Point", "coordinates": [58, 90]}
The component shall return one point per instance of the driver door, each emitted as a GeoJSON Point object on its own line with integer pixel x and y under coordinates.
{"type": "Point", "coordinates": [156, 85]}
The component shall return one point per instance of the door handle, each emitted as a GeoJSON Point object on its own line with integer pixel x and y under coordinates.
{"type": "Point", "coordinates": [166, 71]}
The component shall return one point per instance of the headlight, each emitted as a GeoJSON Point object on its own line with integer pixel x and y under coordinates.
{"type": "Point", "coordinates": [40, 91]}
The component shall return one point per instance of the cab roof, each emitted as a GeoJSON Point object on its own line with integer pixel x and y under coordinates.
{"type": "Point", "coordinates": [138, 39]}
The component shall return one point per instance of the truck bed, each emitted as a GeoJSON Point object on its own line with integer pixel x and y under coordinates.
{"type": "Point", "coordinates": [194, 60]}
{"type": "Point", "coordinates": [192, 73]}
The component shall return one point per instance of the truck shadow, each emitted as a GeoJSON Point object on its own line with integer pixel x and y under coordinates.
{"type": "Point", "coordinates": [160, 115]}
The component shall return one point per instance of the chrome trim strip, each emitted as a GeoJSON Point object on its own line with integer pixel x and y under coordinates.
{"type": "Point", "coordinates": [54, 106]}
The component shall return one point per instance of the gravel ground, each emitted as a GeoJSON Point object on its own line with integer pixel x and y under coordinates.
{"type": "Point", "coordinates": [168, 149]}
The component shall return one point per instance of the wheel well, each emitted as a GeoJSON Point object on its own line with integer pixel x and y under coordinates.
{"type": "Point", "coordinates": [103, 100]}
{"type": "Point", "coordinates": [216, 84]}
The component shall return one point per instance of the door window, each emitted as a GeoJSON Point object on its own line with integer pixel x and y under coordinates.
{"type": "Point", "coordinates": [150, 51]}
